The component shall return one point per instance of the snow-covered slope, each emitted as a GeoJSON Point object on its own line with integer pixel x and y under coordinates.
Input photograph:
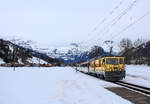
{"type": "Point", "coordinates": [22, 52]}
{"type": "Point", "coordinates": [1, 61]}
{"type": "Point", "coordinates": [36, 60]}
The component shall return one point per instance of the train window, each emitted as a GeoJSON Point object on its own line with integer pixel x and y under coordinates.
{"type": "Point", "coordinates": [112, 61]}
{"type": "Point", "coordinates": [99, 62]}
{"type": "Point", "coordinates": [121, 61]}
{"type": "Point", "coordinates": [103, 62]}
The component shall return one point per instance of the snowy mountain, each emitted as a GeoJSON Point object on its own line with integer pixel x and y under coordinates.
{"type": "Point", "coordinates": [75, 53]}
{"type": "Point", "coordinates": [72, 53]}
{"type": "Point", "coordinates": [69, 54]}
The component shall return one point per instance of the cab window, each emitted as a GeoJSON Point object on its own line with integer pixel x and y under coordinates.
{"type": "Point", "coordinates": [112, 61]}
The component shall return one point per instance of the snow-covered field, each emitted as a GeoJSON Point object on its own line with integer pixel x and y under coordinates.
{"type": "Point", "coordinates": [58, 85]}
{"type": "Point", "coordinates": [138, 74]}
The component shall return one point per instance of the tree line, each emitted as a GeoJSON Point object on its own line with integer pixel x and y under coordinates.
{"type": "Point", "coordinates": [135, 52]}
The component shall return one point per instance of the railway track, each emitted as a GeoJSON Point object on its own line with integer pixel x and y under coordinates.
{"type": "Point", "coordinates": [133, 87]}
{"type": "Point", "coordinates": [137, 88]}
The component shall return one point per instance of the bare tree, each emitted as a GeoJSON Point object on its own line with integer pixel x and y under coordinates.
{"type": "Point", "coordinates": [125, 44]}
{"type": "Point", "coordinates": [96, 51]}
{"type": "Point", "coordinates": [138, 42]}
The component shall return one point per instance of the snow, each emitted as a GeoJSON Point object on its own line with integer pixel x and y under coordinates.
{"type": "Point", "coordinates": [57, 85]}
{"type": "Point", "coordinates": [1, 61]}
{"type": "Point", "coordinates": [20, 61]}
{"type": "Point", "coordinates": [138, 74]}
{"type": "Point", "coordinates": [36, 60]}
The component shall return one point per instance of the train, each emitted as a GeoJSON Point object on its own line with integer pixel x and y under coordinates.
{"type": "Point", "coordinates": [110, 68]}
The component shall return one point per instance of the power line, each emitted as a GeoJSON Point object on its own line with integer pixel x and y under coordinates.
{"type": "Point", "coordinates": [130, 25]}
{"type": "Point", "coordinates": [119, 17]}
{"type": "Point", "coordinates": [115, 20]}
{"type": "Point", "coordinates": [105, 19]}
{"type": "Point", "coordinates": [110, 13]}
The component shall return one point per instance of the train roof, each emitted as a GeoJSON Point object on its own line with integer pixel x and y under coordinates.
{"type": "Point", "coordinates": [84, 63]}
{"type": "Point", "coordinates": [103, 56]}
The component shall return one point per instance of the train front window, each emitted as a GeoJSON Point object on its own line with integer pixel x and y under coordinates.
{"type": "Point", "coordinates": [112, 61]}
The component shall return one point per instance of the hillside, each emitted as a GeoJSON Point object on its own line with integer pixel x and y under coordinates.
{"type": "Point", "coordinates": [14, 53]}
{"type": "Point", "coordinates": [138, 55]}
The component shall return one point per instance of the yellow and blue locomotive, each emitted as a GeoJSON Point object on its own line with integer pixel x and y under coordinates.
{"type": "Point", "coordinates": [109, 68]}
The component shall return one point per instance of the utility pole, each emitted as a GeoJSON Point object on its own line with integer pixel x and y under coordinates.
{"type": "Point", "coordinates": [14, 53]}
{"type": "Point", "coordinates": [39, 63]}
{"type": "Point", "coordinates": [14, 56]}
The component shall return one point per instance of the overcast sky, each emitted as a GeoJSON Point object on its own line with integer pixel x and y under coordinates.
{"type": "Point", "coordinates": [60, 22]}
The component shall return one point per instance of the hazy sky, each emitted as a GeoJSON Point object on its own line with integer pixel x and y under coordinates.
{"type": "Point", "coordinates": [60, 22]}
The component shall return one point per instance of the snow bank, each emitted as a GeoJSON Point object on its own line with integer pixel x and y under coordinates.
{"type": "Point", "coordinates": [56, 85]}
{"type": "Point", "coordinates": [138, 74]}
